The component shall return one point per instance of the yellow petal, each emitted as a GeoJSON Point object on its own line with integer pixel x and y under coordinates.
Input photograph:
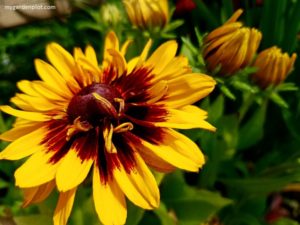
{"type": "Point", "coordinates": [235, 16]}
{"type": "Point", "coordinates": [32, 116]}
{"type": "Point", "coordinates": [239, 47]}
{"type": "Point", "coordinates": [87, 65]}
{"type": "Point", "coordinates": [91, 55]}
{"type": "Point", "coordinates": [19, 131]}
{"type": "Point", "coordinates": [78, 53]}
{"type": "Point", "coordinates": [37, 194]}
{"type": "Point", "coordinates": [162, 56]}
{"type": "Point", "coordinates": [176, 67]}
{"type": "Point", "coordinates": [184, 146]}
{"type": "Point", "coordinates": [64, 207]}
{"type": "Point", "coordinates": [31, 103]}
{"type": "Point", "coordinates": [188, 89]}
{"type": "Point", "coordinates": [217, 43]}
{"type": "Point", "coordinates": [157, 91]}
{"type": "Point", "coordinates": [36, 170]}
{"type": "Point", "coordinates": [144, 53]}
{"type": "Point", "coordinates": [64, 62]}
{"type": "Point", "coordinates": [125, 47]}
{"type": "Point", "coordinates": [24, 146]}
{"type": "Point", "coordinates": [291, 62]}
{"type": "Point", "coordinates": [275, 74]}
{"type": "Point", "coordinates": [47, 92]}
{"type": "Point", "coordinates": [72, 171]}
{"type": "Point", "coordinates": [52, 78]}
{"type": "Point", "coordinates": [111, 42]}
{"type": "Point", "coordinates": [253, 44]}
{"type": "Point", "coordinates": [131, 65]}
{"type": "Point", "coordinates": [187, 117]}
{"type": "Point", "coordinates": [154, 161]}
{"type": "Point", "coordinates": [139, 186]}
{"type": "Point", "coordinates": [26, 87]}
{"type": "Point", "coordinates": [109, 201]}
{"type": "Point", "coordinates": [176, 149]}
{"type": "Point", "coordinates": [61, 59]}
{"type": "Point", "coordinates": [118, 61]}
{"type": "Point", "coordinates": [223, 30]}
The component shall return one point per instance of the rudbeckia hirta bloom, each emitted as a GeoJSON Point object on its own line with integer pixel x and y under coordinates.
{"type": "Point", "coordinates": [231, 46]}
{"type": "Point", "coordinates": [273, 67]}
{"type": "Point", "coordinates": [116, 119]}
{"type": "Point", "coordinates": [147, 14]}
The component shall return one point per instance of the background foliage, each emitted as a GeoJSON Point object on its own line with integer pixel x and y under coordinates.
{"type": "Point", "coordinates": [252, 174]}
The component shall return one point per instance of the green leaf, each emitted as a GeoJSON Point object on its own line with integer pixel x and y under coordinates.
{"type": "Point", "coordinates": [134, 214]}
{"type": "Point", "coordinates": [216, 109]}
{"type": "Point", "coordinates": [218, 147]}
{"type": "Point", "coordinates": [285, 221]}
{"type": "Point", "coordinates": [258, 185]}
{"type": "Point", "coordinates": [226, 91]}
{"type": "Point", "coordinates": [199, 37]}
{"type": "Point", "coordinates": [272, 29]}
{"type": "Point", "coordinates": [3, 184]}
{"type": "Point", "coordinates": [163, 215]}
{"type": "Point", "coordinates": [245, 72]}
{"type": "Point", "coordinates": [292, 121]}
{"type": "Point", "coordinates": [287, 87]}
{"type": "Point", "coordinates": [252, 131]}
{"type": "Point", "coordinates": [277, 99]}
{"type": "Point", "coordinates": [243, 86]}
{"type": "Point", "coordinates": [289, 42]}
{"type": "Point", "coordinates": [190, 46]}
{"type": "Point", "coordinates": [173, 25]}
{"type": "Point", "coordinates": [244, 219]}
{"type": "Point", "coordinates": [191, 206]}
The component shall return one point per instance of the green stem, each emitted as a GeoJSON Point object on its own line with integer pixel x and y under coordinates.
{"type": "Point", "coordinates": [248, 100]}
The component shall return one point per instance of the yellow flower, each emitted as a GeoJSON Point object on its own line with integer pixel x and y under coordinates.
{"type": "Point", "coordinates": [273, 66]}
{"type": "Point", "coordinates": [231, 46]}
{"type": "Point", "coordinates": [147, 14]}
{"type": "Point", "coordinates": [117, 118]}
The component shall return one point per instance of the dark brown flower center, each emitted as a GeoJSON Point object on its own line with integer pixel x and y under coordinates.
{"type": "Point", "coordinates": [94, 103]}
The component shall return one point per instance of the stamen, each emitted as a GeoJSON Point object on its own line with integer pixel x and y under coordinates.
{"type": "Point", "coordinates": [121, 105]}
{"type": "Point", "coordinates": [123, 127]}
{"type": "Point", "coordinates": [107, 135]}
{"type": "Point", "coordinates": [78, 126]}
{"type": "Point", "coordinates": [105, 104]}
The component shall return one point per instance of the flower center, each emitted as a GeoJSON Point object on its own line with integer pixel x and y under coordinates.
{"type": "Point", "coordinates": [93, 104]}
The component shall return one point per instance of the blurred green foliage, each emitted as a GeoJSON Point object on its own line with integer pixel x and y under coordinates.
{"type": "Point", "coordinates": [254, 154]}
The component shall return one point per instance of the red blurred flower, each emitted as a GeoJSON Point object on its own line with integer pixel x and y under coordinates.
{"type": "Point", "coordinates": [184, 6]}
{"type": "Point", "coordinates": [276, 209]}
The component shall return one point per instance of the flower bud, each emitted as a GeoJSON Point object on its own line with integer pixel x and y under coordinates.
{"type": "Point", "coordinates": [147, 14]}
{"type": "Point", "coordinates": [231, 45]}
{"type": "Point", "coordinates": [273, 67]}
{"type": "Point", "coordinates": [110, 14]}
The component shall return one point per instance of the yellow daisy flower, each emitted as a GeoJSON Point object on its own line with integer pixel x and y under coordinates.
{"type": "Point", "coordinates": [232, 46]}
{"type": "Point", "coordinates": [273, 67]}
{"type": "Point", "coordinates": [147, 14]}
{"type": "Point", "coordinates": [117, 118]}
